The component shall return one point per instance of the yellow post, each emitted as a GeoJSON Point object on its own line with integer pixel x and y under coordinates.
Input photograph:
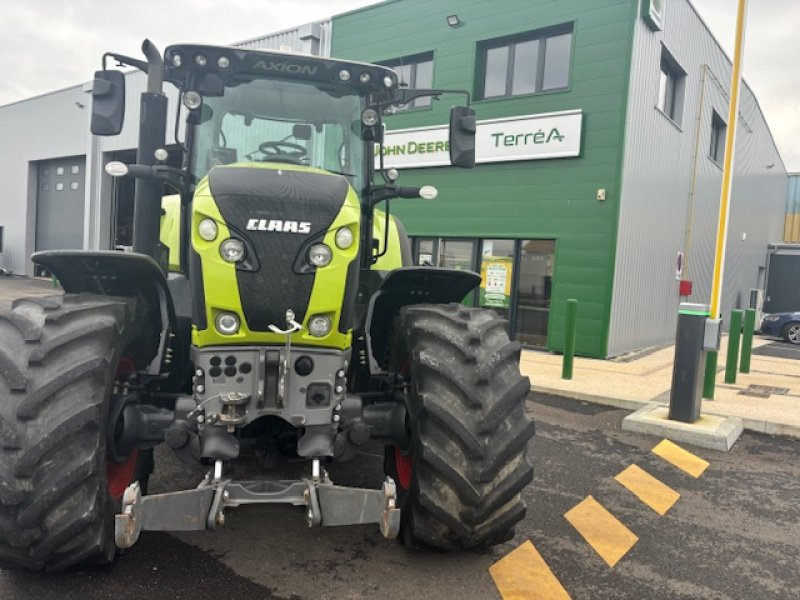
{"type": "Point", "coordinates": [727, 173]}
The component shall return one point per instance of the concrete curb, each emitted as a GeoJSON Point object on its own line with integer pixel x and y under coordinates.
{"type": "Point", "coordinates": [749, 423]}
{"type": "Point", "coordinates": [594, 399]}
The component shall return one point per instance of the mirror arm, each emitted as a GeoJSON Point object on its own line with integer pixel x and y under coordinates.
{"type": "Point", "coordinates": [170, 175]}
{"type": "Point", "coordinates": [123, 60]}
{"type": "Point", "coordinates": [406, 95]}
{"type": "Point", "coordinates": [386, 192]}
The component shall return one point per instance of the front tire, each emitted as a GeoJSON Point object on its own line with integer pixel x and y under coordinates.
{"type": "Point", "coordinates": [58, 360]}
{"type": "Point", "coordinates": [461, 479]}
{"type": "Point", "coordinates": [791, 333]}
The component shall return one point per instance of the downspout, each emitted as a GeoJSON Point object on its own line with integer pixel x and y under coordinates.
{"type": "Point", "coordinates": [687, 240]}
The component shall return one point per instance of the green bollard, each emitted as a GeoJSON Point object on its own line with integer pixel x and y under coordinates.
{"type": "Point", "coordinates": [747, 339]}
{"type": "Point", "coordinates": [710, 380]}
{"type": "Point", "coordinates": [734, 337]}
{"type": "Point", "coordinates": [569, 338]}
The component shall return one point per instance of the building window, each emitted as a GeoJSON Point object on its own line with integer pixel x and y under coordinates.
{"type": "Point", "coordinates": [533, 62]}
{"type": "Point", "coordinates": [670, 87]}
{"type": "Point", "coordinates": [719, 130]}
{"type": "Point", "coordinates": [415, 72]}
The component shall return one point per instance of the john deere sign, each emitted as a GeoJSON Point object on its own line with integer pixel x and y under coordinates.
{"type": "Point", "coordinates": [527, 137]}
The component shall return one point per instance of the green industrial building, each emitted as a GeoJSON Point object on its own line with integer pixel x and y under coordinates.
{"type": "Point", "coordinates": [601, 134]}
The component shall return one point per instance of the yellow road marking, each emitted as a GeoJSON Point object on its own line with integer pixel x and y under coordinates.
{"type": "Point", "coordinates": [658, 496]}
{"type": "Point", "coordinates": [602, 530]}
{"type": "Point", "coordinates": [683, 459]}
{"type": "Point", "coordinates": [522, 574]}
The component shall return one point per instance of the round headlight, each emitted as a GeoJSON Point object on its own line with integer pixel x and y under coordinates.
{"type": "Point", "coordinates": [177, 61]}
{"type": "Point", "coordinates": [319, 325]}
{"type": "Point", "coordinates": [227, 323]}
{"type": "Point", "coordinates": [200, 60]}
{"type": "Point", "coordinates": [207, 229]}
{"type": "Point", "coordinates": [344, 75]}
{"type": "Point", "coordinates": [232, 250]}
{"type": "Point", "coordinates": [319, 255]}
{"type": "Point", "coordinates": [369, 117]}
{"type": "Point", "coordinates": [223, 62]}
{"type": "Point", "coordinates": [161, 154]}
{"type": "Point", "coordinates": [344, 238]}
{"type": "Point", "coordinates": [387, 81]}
{"type": "Point", "coordinates": [192, 100]}
{"type": "Point", "coordinates": [364, 77]}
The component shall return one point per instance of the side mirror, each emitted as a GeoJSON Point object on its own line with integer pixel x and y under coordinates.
{"type": "Point", "coordinates": [462, 137]}
{"type": "Point", "coordinates": [108, 102]}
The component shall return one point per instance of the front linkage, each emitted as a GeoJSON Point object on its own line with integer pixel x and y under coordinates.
{"type": "Point", "coordinates": [327, 504]}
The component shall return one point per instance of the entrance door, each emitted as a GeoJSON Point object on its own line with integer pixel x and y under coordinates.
{"type": "Point", "coordinates": [60, 203]}
{"type": "Point", "coordinates": [60, 200]}
{"type": "Point", "coordinates": [534, 290]}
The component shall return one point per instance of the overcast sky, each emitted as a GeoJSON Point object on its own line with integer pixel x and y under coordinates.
{"type": "Point", "coordinates": [48, 45]}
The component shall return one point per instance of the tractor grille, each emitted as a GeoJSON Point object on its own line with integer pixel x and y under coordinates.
{"type": "Point", "coordinates": [284, 195]}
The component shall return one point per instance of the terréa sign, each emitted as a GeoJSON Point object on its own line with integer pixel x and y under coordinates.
{"type": "Point", "coordinates": [527, 137]}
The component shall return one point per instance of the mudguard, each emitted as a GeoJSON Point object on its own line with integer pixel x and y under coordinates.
{"type": "Point", "coordinates": [404, 287]}
{"type": "Point", "coordinates": [110, 273]}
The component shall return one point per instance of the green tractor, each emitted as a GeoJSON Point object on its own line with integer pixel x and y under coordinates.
{"type": "Point", "coordinates": [268, 307]}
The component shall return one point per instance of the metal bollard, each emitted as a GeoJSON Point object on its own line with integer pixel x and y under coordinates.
{"type": "Point", "coordinates": [710, 379]}
{"type": "Point", "coordinates": [734, 339]}
{"type": "Point", "coordinates": [747, 340]}
{"type": "Point", "coordinates": [569, 338]}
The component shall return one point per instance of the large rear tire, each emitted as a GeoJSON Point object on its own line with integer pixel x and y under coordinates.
{"type": "Point", "coordinates": [461, 479]}
{"type": "Point", "coordinates": [58, 360]}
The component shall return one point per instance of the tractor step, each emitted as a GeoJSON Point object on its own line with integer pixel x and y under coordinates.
{"type": "Point", "coordinates": [328, 505]}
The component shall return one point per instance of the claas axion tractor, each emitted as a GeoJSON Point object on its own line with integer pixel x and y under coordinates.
{"type": "Point", "coordinates": [268, 307]}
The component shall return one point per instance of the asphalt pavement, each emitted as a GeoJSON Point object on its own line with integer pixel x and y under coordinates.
{"type": "Point", "coordinates": [733, 533]}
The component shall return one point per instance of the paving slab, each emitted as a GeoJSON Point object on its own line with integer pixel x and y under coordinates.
{"type": "Point", "coordinates": [640, 379]}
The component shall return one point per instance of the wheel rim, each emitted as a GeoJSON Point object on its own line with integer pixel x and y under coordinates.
{"type": "Point", "coordinates": [794, 333]}
{"type": "Point", "coordinates": [404, 468]}
{"type": "Point", "coordinates": [120, 475]}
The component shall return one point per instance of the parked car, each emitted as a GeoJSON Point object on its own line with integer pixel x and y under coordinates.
{"type": "Point", "coordinates": [784, 324]}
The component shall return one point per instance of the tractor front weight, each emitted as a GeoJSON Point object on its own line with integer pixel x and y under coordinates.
{"type": "Point", "coordinates": [326, 503]}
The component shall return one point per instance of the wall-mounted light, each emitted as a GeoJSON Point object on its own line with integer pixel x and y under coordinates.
{"type": "Point", "coordinates": [453, 20]}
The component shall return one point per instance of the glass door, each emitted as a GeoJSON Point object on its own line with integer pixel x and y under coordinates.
{"type": "Point", "coordinates": [534, 290]}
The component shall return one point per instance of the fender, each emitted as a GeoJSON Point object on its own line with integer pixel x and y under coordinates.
{"type": "Point", "coordinates": [111, 273]}
{"type": "Point", "coordinates": [404, 287]}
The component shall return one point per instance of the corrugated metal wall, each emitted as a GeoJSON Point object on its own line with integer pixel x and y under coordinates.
{"type": "Point", "coordinates": [48, 126]}
{"type": "Point", "coordinates": [670, 189]}
{"type": "Point", "coordinates": [57, 125]}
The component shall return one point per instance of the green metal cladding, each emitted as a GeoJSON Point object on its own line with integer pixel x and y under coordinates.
{"type": "Point", "coordinates": [553, 198]}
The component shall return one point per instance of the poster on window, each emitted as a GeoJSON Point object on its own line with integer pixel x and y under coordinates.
{"type": "Point", "coordinates": [496, 275]}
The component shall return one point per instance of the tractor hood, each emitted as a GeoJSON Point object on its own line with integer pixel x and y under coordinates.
{"type": "Point", "coordinates": [279, 212]}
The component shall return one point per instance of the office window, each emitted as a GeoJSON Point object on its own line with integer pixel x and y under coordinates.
{"type": "Point", "coordinates": [416, 72]}
{"type": "Point", "coordinates": [719, 131]}
{"type": "Point", "coordinates": [536, 61]}
{"type": "Point", "coordinates": [671, 87]}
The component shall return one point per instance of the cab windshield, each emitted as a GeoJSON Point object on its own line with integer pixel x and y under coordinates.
{"type": "Point", "coordinates": [272, 120]}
